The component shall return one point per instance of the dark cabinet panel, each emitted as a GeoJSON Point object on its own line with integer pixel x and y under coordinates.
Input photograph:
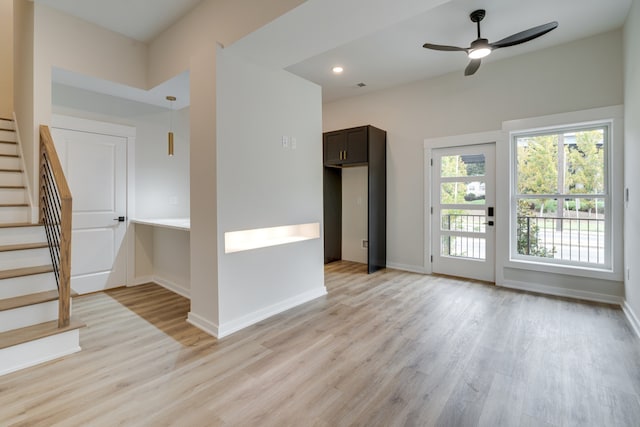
{"type": "Point", "coordinates": [361, 146]}
{"type": "Point", "coordinates": [355, 148]}
{"type": "Point", "coordinates": [332, 214]}
{"type": "Point", "coordinates": [346, 147]}
{"type": "Point", "coordinates": [334, 143]}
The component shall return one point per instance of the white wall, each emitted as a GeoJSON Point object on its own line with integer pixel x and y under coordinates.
{"type": "Point", "coordinates": [632, 154]}
{"type": "Point", "coordinates": [578, 75]}
{"type": "Point", "coordinates": [161, 255]}
{"type": "Point", "coordinates": [190, 44]}
{"type": "Point", "coordinates": [355, 214]}
{"type": "Point", "coordinates": [6, 59]}
{"type": "Point", "coordinates": [261, 184]}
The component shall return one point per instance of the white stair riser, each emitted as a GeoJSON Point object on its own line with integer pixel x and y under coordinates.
{"type": "Point", "coordinates": [25, 258]}
{"type": "Point", "coordinates": [7, 124]}
{"type": "Point", "coordinates": [28, 316]}
{"type": "Point", "coordinates": [14, 215]}
{"type": "Point", "coordinates": [11, 178]}
{"type": "Point", "coordinates": [13, 195]}
{"type": "Point", "coordinates": [17, 235]}
{"type": "Point", "coordinates": [33, 353]}
{"type": "Point", "coordinates": [9, 162]}
{"type": "Point", "coordinates": [8, 149]}
{"type": "Point", "coordinates": [25, 285]}
{"type": "Point", "coordinates": [6, 135]}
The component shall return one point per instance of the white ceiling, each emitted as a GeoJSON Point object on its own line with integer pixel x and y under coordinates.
{"type": "Point", "coordinates": [384, 56]}
{"type": "Point", "coordinates": [140, 20]}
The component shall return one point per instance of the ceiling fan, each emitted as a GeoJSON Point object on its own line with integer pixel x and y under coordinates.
{"type": "Point", "coordinates": [481, 47]}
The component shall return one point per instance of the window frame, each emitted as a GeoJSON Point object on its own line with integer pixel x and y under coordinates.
{"type": "Point", "coordinates": [606, 195]}
{"type": "Point", "coordinates": [611, 116]}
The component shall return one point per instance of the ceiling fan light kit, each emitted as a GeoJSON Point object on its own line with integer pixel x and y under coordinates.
{"type": "Point", "coordinates": [481, 47]}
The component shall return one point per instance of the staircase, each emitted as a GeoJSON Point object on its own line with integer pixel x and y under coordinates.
{"type": "Point", "coordinates": [29, 327]}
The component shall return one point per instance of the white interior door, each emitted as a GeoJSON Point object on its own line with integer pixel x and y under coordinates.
{"type": "Point", "coordinates": [463, 209]}
{"type": "Point", "coordinates": [96, 169]}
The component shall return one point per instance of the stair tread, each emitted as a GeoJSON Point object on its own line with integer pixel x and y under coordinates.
{"type": "Point", "coordinates": [8, 130]}
{"type": "Point", "coordinates": [25, 271]}
{"type": "Point", "coordinates": [10, 155]}
{"type": "Point", "coordinates": [13, 205]}
{"type": "Point", "coordinates": [26, 300]}
{"type": "Point", "coordinates": [23, 246]}
{"type": "Point", "coordinates": [19, 224]}
{"type": "Point", "coordinates": [12, 187]}
{"type": "Point", "coordinates": [8, 142]}
{"type": "Point", "coordinates": [10, 170]}
{"type": "Point", "coordinates": [35, 332]}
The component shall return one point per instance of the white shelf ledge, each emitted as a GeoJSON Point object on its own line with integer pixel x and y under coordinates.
{"type": "Point", "coordinates": [175, 223]}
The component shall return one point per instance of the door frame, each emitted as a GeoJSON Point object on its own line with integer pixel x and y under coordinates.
{"type": "Point", "coordinates": [491, 137]}
{"type": "Point", "coordinates": [122, 131]}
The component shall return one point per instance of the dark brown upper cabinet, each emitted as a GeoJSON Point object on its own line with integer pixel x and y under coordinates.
{"type": "Point", "coordinates": [347, 147]}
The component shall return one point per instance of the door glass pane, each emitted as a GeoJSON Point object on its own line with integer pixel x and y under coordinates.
{"type": "Point", "coordinates": [463, 247]}
{"type": "Point", "coordinates": [472, 193]}
{"type": "Point", "coordinates": [462, 165]}
{"type": "Point", "coordinates": [467, 220]}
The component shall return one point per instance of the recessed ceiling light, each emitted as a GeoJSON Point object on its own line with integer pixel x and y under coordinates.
{"type": "Point", "coordinates": [337, 70]}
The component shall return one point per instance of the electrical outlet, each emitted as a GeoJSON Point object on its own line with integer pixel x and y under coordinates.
{"type": "Point", "coordinates": [285, 142]}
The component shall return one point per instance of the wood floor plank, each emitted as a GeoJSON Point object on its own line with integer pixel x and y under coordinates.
{"type": "Point", "coordinates": [391, 348]}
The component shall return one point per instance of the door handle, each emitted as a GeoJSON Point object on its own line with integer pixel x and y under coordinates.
{"type": "Point", "coordinates": [491, 223]}
{"type": "Point", "coordinates": [119, 219]}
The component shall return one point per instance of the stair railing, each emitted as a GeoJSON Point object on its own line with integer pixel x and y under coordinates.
{"type": "Point", "coordinates": [55, 215]}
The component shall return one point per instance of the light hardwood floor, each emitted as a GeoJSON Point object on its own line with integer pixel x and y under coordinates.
{"type": "Point", "coordinates": [386, 349]}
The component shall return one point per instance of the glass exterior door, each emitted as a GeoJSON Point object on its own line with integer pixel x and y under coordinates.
{"type": "Point", "coordinates": [463, 211]}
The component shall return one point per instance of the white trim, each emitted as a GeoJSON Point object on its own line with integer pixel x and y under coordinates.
{"type": "Point", "coordinates": [235, 325]}
{"type": "Point", "coordinates": [35, 208]}
{"type": "Point", "coordinates": [92, 126]}
{"type": "Point", "coordinates": [172, 286]}
{"type": "Point", "coordinates": [406, 267]}
{"type": "Point", "coordinates": [60, 121]}
{"type": "Point", "coordinates": [490, 137]}
{"type": "Point", "coordinates": [203, 324]}
{"type": "Point", "coordinates": [561, 292]}
{"type": "Point", "coordinates": [631, 316]}
{"type": "Point", "coordinates": [614, 116]}
{"type": "Point", "coordinates": [140, 280]}
{"type": "Point", "coordinates": [33, 353]}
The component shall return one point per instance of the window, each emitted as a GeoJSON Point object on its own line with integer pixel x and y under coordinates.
{"type": "Point", "coordinates": [561, 198]}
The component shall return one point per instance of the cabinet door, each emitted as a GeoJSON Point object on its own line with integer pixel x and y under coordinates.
{"type": "Point", "coordinates": [333, 146]}
{"type": "Point", "coordinates": [355, 146]}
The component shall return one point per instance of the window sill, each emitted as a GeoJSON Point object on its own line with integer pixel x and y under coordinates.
{"type": "Point", "coordinates": [569, 270]}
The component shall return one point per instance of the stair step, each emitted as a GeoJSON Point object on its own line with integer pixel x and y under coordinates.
{"type": "Point", "coordinates": [13, 205]}
{"type": "Point", "coordinates": [11, 177]}
{"type": "Point", "coordinates": [23, 246]}
{"type": "Point", "coordinates": [26, 300]}
{"type": "Point", "coordinates": [10, 170]}
{"type": "Point", "coordinates": [19, 225]}
{"type": "Point", "coordinates": [35, 332]}
{"type": "Point", "coordinates": [8, 135]}
{"type": "Point", "coordinates": [26, 271]}
{"type": "Point", "coordinates": [25, 285]}
{"type": "Point", "coordinates": [9, 142]}
{"type": "Point", "coordinates": [13, 194]}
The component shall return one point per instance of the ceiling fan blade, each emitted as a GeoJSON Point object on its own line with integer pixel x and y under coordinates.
{"type": "Point", "coordinates": [525, 36]}
{"type": "Point", "coordinates": [444, 47]}
{"type": "Point", "coordinates": [472, 67]}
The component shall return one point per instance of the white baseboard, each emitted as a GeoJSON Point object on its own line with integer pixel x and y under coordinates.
{"type": "Point", "coordinates": [203, 324]}
{"type": "Point", "coordinates": [406, 267]}
{"type": "Point", "coordinates": [235, 325]}
{"type": "Point", "coordinates": [33, 353]}
{"type": "Point", "coordinates": [165, 283]}
{"type": "Point", "coordinates": [140, 280]}
{"type": "Point", "coordinates": [562, 292]}
{"type": "Point", "coordinates": [173, 287]}
{"type": "Point", "coordinates": [631, 316]}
